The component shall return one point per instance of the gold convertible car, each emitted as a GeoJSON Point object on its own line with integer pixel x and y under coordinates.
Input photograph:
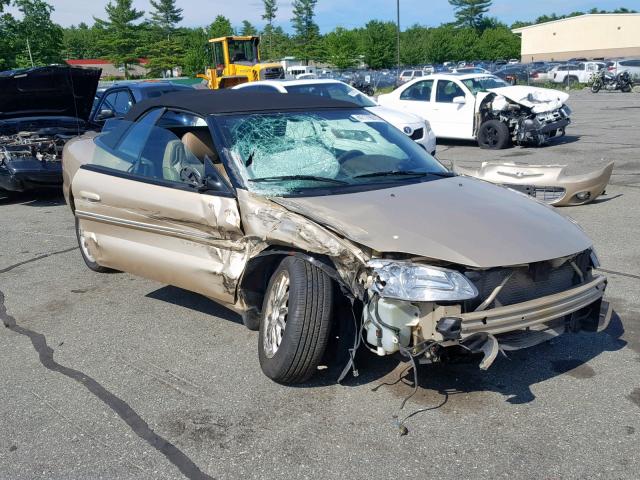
{"type": "Point", "coordinates": [306, 215]}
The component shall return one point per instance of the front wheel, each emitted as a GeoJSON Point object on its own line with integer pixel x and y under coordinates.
{"type": "Point", "coordinates": [494, 135]}
{"type": "Point", "coordinates": [296, 321]}
{"type": "Point", "coordinates": [595, 87]}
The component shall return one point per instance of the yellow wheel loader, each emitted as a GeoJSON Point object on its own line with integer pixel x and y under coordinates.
{"type": "Point", "coordinates": [236, 60]}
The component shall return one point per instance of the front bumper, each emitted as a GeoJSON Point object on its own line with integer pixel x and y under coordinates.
{"type": "Point", "coordinates": [30, 175]}
{"type": "Point", "coordinates": [536, 312]}
{"type": "Point", "coordinates": [547, 183]}
{"type": "Point", "coordinates": [427, 140]}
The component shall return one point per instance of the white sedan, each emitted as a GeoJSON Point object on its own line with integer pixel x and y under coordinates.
{"type": "Point", "coordinates": [418, 129]}
{"type": "Point", "coordinates": [484, 108]}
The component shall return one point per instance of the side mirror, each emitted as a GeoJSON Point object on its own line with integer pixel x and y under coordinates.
{"type": "Point", "coordinates": [105, 114]}
{"type": "Point", "coordinates": [459, 100]}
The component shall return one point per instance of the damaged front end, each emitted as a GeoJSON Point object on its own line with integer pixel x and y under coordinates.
{"type": "Point", "coordinates": [434, 313]}
{"type": "Point", "coordinates": [547, 183]}
{"type": "Point", "coordinates": [533, 115]}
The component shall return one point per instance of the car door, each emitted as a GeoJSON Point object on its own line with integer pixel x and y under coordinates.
{"type": "Point", "coordinates": [454, 109]}
{"type": "Point", "coordinates": [140, 214]}
{"type": "Point", "coordinates": [416, 99]}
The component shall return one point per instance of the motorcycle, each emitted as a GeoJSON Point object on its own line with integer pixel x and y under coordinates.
{"type": "Point", "coordinates": [607, 81]}
{"type": "Point", "coordinates": [364, 87]}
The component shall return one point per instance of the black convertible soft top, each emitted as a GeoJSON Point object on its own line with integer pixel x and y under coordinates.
{"type": "Point", "coordinates": [207, 102]}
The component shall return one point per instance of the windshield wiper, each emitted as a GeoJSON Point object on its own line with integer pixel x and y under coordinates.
{"type": "Point", "coordinates": [405, 173]}
{"type": "Point", "coordinates": [299, 177]}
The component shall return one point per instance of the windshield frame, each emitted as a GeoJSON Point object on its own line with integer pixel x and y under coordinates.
{"type": "Point", "coordinates": [239, 182]}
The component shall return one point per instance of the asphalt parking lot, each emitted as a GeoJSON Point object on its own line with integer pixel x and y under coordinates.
{"type": "Point", "coordinates": [112, 376]}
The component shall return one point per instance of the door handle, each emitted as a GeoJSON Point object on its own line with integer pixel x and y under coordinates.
{"type": "Point", "coordinates": [90, 196]}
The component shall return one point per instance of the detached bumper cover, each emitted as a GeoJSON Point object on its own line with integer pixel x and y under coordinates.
{"type": "Point", "coordinates": [539, 311]}
{"type": "Point", "coordinates": [548, 183]}
{"type": "Point", "coordinates": [25, 175]}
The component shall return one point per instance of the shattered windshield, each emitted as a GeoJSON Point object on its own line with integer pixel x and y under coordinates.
{"type": "Point", "coordinates": [482, 84]}
{"type": "Point", "coordinates": [294, 153]}
{"type": "Point", "coordinates": [335, 91]}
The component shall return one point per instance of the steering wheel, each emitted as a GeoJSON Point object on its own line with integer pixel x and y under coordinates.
{"type": "Point", "coordinates": [190, 175]}
{"type": "Point", "coordinates": [348, 155]}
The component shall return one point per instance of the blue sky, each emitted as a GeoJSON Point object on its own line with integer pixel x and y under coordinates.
{"type": "Point", "coordinates": [332, 13]}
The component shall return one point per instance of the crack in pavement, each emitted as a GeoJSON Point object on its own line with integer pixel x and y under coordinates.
{"type": "Point", "coordinates": [45, 353]}
{"type": "Point", "coordinates": [35, 259]}
{"type": "Point", "coordinates": [622, 274]}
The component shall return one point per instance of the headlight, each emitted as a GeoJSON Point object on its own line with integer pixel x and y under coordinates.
{"type": "Point", "coordinates": [419, 283]}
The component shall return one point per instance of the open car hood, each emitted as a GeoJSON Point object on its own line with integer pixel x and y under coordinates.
{"type": "Point", "coordinates": [459, 220]}
{"type": "Point", "coordinates": [54, 91]}
{"type": "Point", "coordinates": [539, 100]}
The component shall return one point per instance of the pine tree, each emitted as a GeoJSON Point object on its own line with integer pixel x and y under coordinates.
{"type": "Point", "coordinates": [307, 31]}
{"type": "Point", "coordinates": [469, 13]}
{"type": "Point", "coordinates": [221, 27]}
{"type": "Point", "coordinates": [270, 9]}
{"type": "Point", "coordinates": [120, 38]}
{"type": "Point", "coordinates": [248, 28]}
{"type": "Point", "coordinates": [166, 15]}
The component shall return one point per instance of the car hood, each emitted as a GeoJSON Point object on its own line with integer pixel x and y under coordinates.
{"type": "Point", "coordinates": [459, 220]}
{"type": "Point", "coordinates": [56, 91]}
{"type": "Point", "coordinates": [395, 117]}
{"type": "Point", "coordinates": [539, 100]}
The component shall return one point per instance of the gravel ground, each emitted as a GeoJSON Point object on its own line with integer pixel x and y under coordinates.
{"type": "Point", "coordinates": [116, 377]}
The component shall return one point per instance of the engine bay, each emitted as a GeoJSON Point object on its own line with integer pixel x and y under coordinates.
{"type": "Point", "coordinates": [32, 145]}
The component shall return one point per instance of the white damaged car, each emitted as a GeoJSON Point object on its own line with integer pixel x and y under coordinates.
{"type": "Point", "coordinates": [484, 108]}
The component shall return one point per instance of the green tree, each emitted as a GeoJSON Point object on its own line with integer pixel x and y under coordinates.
{"type": "Point", "coordinates": [499, 43]}
{"type": "Point", "coordinates": [197, 56]}
{"type": "Point", "coordinates": [165, 15]}
{"type": "Point", "coordinates": [270, 9]}
{"type": "Point", "coordinates": [248, 28]}
{"type": "Point", "coordinates": [379, 44]}
{"type": "Point", "coordinates": [413, 45]}
{"type": "Point", "coordinates": [307, 32]}
{"type": "Point", "coordinates": [164, 56]}
{"type": "Point", "coordinates": [120, 38]}
{"type": "Point", "coordinates": [469, 13]}
{"type": "Point", "coordinates": [37, 40]}
{"type": "Point", "coordinates": [279, 44]}
{"type": "Point", "coordinates": [221, 27]}
{"type": "Point", "coordinates": [340, 48]}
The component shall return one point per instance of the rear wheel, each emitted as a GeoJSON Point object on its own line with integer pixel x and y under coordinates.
{"type": "Point", "coordinates": [296, 321]}
{"type": "Point", "coordinates": [494, 135]}
{"type": "Point", "coordinates": [626, 88]}
{"type": "Point", "coordinates": [84, 251]}
{"type": "Point", "coordinates": [572, 79]}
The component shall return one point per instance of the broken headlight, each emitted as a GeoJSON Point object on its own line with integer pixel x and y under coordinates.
{"type": "Point", "coordinates": [419, 283]}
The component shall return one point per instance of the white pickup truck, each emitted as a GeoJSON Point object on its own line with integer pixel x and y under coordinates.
{"type": "Point", "coordinates": [575, 72]}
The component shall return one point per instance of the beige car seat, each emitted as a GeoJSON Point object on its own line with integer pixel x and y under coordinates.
{"type": "Point", "coordinates": [199, 143]}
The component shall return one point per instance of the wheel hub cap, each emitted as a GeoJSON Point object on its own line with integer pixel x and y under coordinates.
{"type": "Point", "coordinates": [275, 316]}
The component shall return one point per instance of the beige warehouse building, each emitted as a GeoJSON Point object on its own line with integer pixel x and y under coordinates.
{"type": "Point", "coordinates": [590, 36]}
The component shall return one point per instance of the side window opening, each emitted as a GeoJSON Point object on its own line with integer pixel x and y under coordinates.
{"type": "Point", "coordinates": [447, 90]}
{"type": "Point", "coordinates": [420, 91]}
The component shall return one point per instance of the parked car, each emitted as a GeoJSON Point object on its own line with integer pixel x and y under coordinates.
{"type": "Point", "coordinates": [413, 126]}
{"type": "Point", "coordinates": [513, 74]}
{"type": "Point", "coordinates": [307, 214]}
{"type": "Point", "coordinates": [408, 75]}
{"type": "Point", "coordinates": [582, 72]}
{"type": "Point", "coordinates": [116, 100]}
{"type": "Point", "coordinates": [542, 74]}
{"type": "Point", "coordinates": [630, 65]}
{"type": "Point", "coordinates": [40, 110]}
{"type": "Point", "coordinates": [483, 108]}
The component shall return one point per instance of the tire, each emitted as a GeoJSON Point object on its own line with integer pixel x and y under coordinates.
{"type": "Point", "coordinates": [291, 344]}
{"type": "Point", "coordinates": [595, 88]}
{"type": "Point", "coordinates": [494, 135]}
{"type": "Point", "coordinates": [572, 79]}
{"type": "Point", "coordinates": [86, 255]}
{"type": "Point", "coordinates": [626, 88]}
